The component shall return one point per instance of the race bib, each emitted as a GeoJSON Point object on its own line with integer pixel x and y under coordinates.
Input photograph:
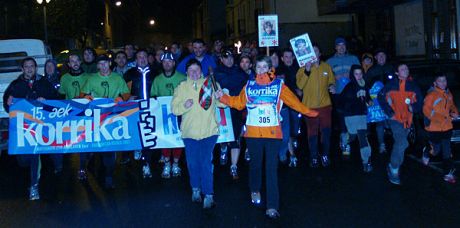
{"type": "Point", "coordinates": [262, 102]}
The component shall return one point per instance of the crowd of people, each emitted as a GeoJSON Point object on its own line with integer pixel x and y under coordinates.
{"type": "Point", "coordinates": [269, 96]}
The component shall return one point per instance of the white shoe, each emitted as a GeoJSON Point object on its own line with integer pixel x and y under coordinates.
{"type": "Point", "coordinates": [146, 171]}
{"type": "Point", "coordinates": [196, 195]}
{"type": "Point", "coordinates": [166, 171]}
{"type": "Point", "coordinates": [137, 155]}
{"type": "Point", "coordinates": [176, 171]}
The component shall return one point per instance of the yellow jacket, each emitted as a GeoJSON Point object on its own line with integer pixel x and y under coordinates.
{"type": "Point", "coordinates": [315, 87]}
{"type": "Point", "coordinates": [197, 123]}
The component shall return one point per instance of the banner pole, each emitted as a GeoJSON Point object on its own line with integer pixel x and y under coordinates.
{"type": "Point", "coordinates": [268, 51]}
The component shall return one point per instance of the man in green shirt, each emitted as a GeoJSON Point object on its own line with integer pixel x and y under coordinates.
{"type": "Point", "coordinates": [72, 81]}
{"type": "Point", "coordinates": [106, 84]}
{"type": "Point", "coordinates": [164, 85]}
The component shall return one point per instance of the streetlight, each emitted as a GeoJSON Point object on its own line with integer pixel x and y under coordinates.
{"type": "Point", "coordinates": [118, 3]}
{"type": "Point", "coordinates": [151, 22]}
{"type": "Point", "coordinates": [44, 17]}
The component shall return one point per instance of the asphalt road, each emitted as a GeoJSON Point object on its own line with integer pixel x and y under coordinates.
{"type": "Point", "coordinates": [339, 196]}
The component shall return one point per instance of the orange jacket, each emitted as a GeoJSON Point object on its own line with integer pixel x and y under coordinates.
{"type": "Point", "coordinates": [437, 108]}
{"type": "Point", "coordinates": [239, 102]}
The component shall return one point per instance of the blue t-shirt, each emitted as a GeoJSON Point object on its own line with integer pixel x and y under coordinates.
{"type": "Point", "coordinates": [206, 62]}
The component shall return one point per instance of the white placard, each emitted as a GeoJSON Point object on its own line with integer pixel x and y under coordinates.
{"type": "Point", "coordinates": [409, 30]}
{"type": "Point", "coordinates": [268, 30]}
{"type": "Point", "coordinates": [303, 49]}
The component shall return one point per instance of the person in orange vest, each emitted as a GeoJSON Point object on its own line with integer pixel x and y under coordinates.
{"type": "Point", "coordinates": [400, 99]}
{"type": "Point", "coordinates": [263, 97]}
{"type": "Point", "coordinates": [439, 110]}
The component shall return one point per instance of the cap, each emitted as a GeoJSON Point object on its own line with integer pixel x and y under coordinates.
{"type": "Point", "coordinates": [227, 53]}
{"type": "Point", "coordinates": [340, 40]}
{"type": "Point", "coordinates": [102, 58]}
{"type": "Point", "coordinates": [167, 55]}
{"type": "Point", "coordinates": [366, 55]}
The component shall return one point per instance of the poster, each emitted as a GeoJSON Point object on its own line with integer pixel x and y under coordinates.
{"type": "Point", "coordinates": [268, 30]}
{"type": "Point", "coordinates": [303, 49]}
{"type": "Point", "coordinates": [410, 31]}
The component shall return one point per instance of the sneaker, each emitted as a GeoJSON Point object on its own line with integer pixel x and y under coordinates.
{"type": "Point", "coordinates": [393, 175]}
{"type": "Point", "coordinates": [137, 155]}
{"type": "Point", "coordinates": [382, 148]}
{"type": "Point", "coordinates": [426, 155]}
{"type": "Point", "coordinates": [450, 177]}
{"type": "Point", "coordinates": [255, 198]}
{"type": "Point", "coordinates": [283, 159]}
{"type": "Point", "coordinates": [272, 213]}
{"type": "Point", "coordinates": [234, 172]}
{"type": "Point", "coordinates": [125, 161]}
{"type": "Point", "coordinates": [293, 161]}
{"type": "Point", "coordinates": [82, 175]}
{"type": "Point", "coordinates": [162, 159]}
{"type": "Point", "coordinates": [223, 154]}
{"type": "Point", "coordinates": [314, 163]}
{"type": "Point", "coordinates": [346, 151]}
{"type": "Point", "coordinates": [176, 171]}
{"type": "Point", "coordinates": [166, 171]}
{"type": "Point", "coordinates": [146, 171]}
{"type": "Point", "coordinates": [109, 183]}
{"type": "Point", "coordinates": [33, 192]}
{"type": "Point", "coordinates": [367, 167]}
{"type": "Point", "coordinates": [325, 161]}
{"type": "Point", "coordinates": [208, 202]}
{"type": "Point", "coordinates": [247, 157]}
{"type": "Point", "coordinates": [196, 195]}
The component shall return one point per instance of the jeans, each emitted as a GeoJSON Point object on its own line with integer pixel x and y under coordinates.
{"type": "Point", "coordinates": [400, 143]}
{"type": "Point", "coordinates": [32, 161]}
{"type": "Point", "coordinates": [256, 148]}
{"type": "Point", "coordinates": [285, 128]}
{"type": "Point", "coordinates": [199, 163]}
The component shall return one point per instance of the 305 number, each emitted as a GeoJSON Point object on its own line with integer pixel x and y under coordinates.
{"type": "Point", "coordinates": [264, 119]}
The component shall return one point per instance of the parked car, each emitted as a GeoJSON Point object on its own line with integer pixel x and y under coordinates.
{"type": "Point", "coordinates": [11, 54]}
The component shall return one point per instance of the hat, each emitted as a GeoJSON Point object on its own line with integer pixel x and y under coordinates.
{"type": "Point", "coordinates": [167, 55]}
{"type": "Point", "coordinates": [102, 58]}
{"type": "Point", "coordinates": [227, 53]}
{"type": "Point", "coordinates": [340, 40]}
{"type": "Point", "coordinates": [378, 50]}
{"type": "Point", "coordinates": [366, 55]}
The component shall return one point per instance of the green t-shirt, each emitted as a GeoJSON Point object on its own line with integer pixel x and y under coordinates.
{"type": "Point", "coordinates": [110, 86]}
{"type": "Point", "coordinates": [71, 85]}
{"type": "Point", "coordinates": [164, 86]}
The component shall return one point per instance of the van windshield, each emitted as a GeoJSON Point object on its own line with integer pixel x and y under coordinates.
{"type": "Point", "coordinates": [11, 62]}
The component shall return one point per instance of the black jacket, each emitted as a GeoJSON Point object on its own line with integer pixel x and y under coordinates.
{"type": "Point", "coordinates": [231, 78]}
{"type": "Point", "coordinates": [134, 76]}
{"type": "Point", "coordinates": [19, 88]}
{"type": "Point", "coordinates": [351, 105]}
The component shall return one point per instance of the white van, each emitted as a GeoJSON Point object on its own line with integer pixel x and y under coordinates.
{"type": "Point", "coordinates": [11, 54]}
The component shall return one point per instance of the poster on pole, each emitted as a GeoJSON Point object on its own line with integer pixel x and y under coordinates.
{"type": "Point", "coordinates": [303, 49]}
{"type": "Point", "coordinates": [268, 30]}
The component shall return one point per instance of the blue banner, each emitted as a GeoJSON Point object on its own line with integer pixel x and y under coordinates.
{"type": "Point", "coordinates": [375, 112]}
{"type": "Point", "coordinates": [74, 126]}
{"type": "Point", "coordinates": [69, 126]}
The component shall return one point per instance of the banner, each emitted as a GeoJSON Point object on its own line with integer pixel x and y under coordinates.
{"type": "Point", "coordinates": [375, 112]}
{"type": "Point", "coordinates": [74, 126]}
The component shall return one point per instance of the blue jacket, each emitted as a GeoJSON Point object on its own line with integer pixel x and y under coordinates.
{"type": "Point", "coordinates": [208, 61]}
{"type": "Point", "coordinates": [231, 78]}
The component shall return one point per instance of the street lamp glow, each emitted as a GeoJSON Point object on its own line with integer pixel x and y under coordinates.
{"type": "Point", "coordinates": [118, 3]}
{"type": "Point", "coordinates": [44, 17]}
{"type": "Point", "coordinates": [102, 23]}
{"type": "Point", "coordinates": [41, 1]}
{"type": "Point", "coordinates": [152, 22]}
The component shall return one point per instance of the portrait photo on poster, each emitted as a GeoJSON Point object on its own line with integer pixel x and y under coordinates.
{"type": "Point", "coordinates": [303, 49]}
{"type": "Point", "coordinates": [268, 30]}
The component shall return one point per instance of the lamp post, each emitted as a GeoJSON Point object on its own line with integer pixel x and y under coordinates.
{"type": "Point", "coordinates": [44, 2]}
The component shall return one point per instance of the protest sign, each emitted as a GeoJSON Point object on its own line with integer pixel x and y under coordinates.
{"type": "Point", "coordinates": [268, 30]}
{"type": "Point", "coordinates": [303, 49]}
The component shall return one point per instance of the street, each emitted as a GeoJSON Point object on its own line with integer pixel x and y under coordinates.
{"type": "Point", "coordinates": [341, 196]}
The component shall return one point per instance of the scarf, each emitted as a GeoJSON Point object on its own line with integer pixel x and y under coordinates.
{"type": "Point", "coordinates": [205, 97]}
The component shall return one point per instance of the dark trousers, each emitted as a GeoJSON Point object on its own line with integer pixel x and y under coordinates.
{"type": "Point", "coordinates": [108, 159]}
{"type": "Point", "coordinates": [316, 126]}
{"type": "Point", "coordinates": [32, 161]}
{"type": "Point", "coordinates": [256, 148]}
{"type": "Point", "coordinates": [441, 144]}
